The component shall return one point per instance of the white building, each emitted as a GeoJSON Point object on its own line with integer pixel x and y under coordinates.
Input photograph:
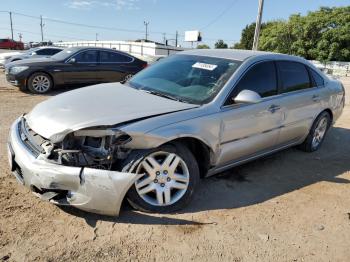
{"type": "Point", "coordinates": [136, 48]}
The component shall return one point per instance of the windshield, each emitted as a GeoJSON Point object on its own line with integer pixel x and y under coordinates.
{"type": "Point", "coordinates": [189, 78]}
{"type": "Point", "coordinates": [65, 53]}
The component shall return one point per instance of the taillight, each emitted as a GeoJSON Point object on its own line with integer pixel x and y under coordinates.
{"type": "Point", "coordinates": [144, 65]}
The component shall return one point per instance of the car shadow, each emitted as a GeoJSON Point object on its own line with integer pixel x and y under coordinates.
{"type": "Point", "coordinates": [54, 92]}
{"type": "Point", "coordinates": [253, 183]}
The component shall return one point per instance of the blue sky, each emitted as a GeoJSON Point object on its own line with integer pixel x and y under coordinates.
{"type": "Point", "coordinates": [216, 19]}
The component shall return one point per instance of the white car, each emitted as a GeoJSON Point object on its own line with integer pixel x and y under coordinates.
{"type": "Point", "coordinates": [7, 55]}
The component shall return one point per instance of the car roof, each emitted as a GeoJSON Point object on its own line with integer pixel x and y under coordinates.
{"type": "Point", "coordinates": [77, 48]}
{"type": "Point", "coordinates": [238, 54]}
{"type": "Point", "coordinates": [46, 47]}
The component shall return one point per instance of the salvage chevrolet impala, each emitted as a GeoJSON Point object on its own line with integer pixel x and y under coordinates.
{"type": "Point", "coordinates": [153, 137]}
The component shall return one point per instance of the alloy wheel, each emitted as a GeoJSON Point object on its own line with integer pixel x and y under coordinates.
{"type": "Point", "coordinates": [319, 132]}
{"type": "Point", "coordinates": [163, 180]}
{"type": "Point", "coordinates": [41, 83]}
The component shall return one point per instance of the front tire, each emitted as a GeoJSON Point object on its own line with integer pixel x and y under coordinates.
{"type": "Point", "coordinates": [317, 133]}
{"type": "Point", "coordinates": [40, 83]}
{"type": "Point", "coordinates": [167, 180]}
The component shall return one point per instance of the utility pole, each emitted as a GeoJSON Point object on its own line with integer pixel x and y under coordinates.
{"type": "Point", "coordinates": [20, 36]}
{"type": "Point", "coordinates": [164, 38]}
{"type": "Point", "coordinates": [176, 36]}
{"type": "Point", "coordinates": [96, 37]}
{"type": "Point", "coordinates": [146, 24]}
{"type": "Point", "coordinates": [258, 25]}
{"type": "Point", "coordinates": [11, 25]}
{"type": "Point", "coordinates": [41, 27]}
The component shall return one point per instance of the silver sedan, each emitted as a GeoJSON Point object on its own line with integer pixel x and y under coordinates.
{"type": "Point", "coordinates": [152, 138]}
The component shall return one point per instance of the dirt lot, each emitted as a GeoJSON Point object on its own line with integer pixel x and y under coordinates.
{"type": "Point", "coordinates": [291, 206]}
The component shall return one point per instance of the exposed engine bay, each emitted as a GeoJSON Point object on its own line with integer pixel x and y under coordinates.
{"type": "Point", "coordinates": [98, 148]}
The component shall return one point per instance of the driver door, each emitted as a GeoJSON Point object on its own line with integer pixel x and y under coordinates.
{"type": "Point", "coordinates": [81, 68]}
{"type": "Point", "coordinates": [249, 130]}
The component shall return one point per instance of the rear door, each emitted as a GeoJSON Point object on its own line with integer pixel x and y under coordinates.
{"type": "Point", "coordinates": [114, 66]}
{"type": "Point", "coordinates": [300, 102]}
{"type": "Point", "coordinates": [81, 68]}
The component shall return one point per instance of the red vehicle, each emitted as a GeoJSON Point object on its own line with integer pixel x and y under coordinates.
{"type": "Point", "coordinates": [11, 44]}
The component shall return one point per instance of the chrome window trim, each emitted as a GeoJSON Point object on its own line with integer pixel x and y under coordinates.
{"type": "Point", "coordinates": [264, 99]}
{"type": "Point", "coordinates": [98, 62]}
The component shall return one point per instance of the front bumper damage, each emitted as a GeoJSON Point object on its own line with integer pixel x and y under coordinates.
{"type": "Point", "coordinates": [89, 189]}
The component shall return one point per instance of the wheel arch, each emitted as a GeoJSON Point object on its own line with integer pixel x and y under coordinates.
{"type": "Point", "coordinates": [41, 71]}
{"type": "Point", "coordinates": [329, 111]}
{"type": "Point", "coordinates": [200, 150]}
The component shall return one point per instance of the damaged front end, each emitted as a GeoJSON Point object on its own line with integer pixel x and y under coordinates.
{"type": "Point", "coordinates": [80, 171]}
{"type": "Point", "coordinates": [94, 148]}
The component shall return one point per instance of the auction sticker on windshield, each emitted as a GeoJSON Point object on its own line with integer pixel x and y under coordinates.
{"type": "Point", "coordinates": [205, 66]}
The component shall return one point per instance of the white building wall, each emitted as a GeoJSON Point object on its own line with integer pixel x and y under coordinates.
{"type": "Point", "coordinates": [133, 48]}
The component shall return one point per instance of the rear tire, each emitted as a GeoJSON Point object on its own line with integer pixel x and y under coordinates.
{"type": "Point", "coordinates": [40, 83]}
{"type": "Point", "coordinates": [171, 190]}
{"type": "Point", "coordinates": [317, 133]}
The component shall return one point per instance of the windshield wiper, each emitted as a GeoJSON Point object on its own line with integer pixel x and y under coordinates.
{"type": "Point", "coordinates": [163, 95]}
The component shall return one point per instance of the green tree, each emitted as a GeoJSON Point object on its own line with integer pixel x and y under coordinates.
{"type": "Point", "coordinates": [277, 37]}
{"type": "Point", "coordinates": [247, 38]}
{"type": "Point", "coordinates": [220, 44]}
{"type": "Point", "coordinates": [322, 35]}
{"type": "Point", "coordinates": [203, 46]}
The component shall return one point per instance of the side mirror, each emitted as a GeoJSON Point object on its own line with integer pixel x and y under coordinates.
{"type": "Point", "coordinates": [247, 97]}
{"type": "Point", "coordinates": [72, 61]}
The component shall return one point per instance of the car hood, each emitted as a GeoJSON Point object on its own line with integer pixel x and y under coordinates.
{"type": "Point", "coordinates": [31, 61]}
{"type": "Point", "coordinates": [98, 105]}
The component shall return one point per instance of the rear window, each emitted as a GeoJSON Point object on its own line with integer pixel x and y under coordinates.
{"type": "Point", "coordinates": [316, 77]}
{"type": "Point", "coordinates": [294, 76]}
{"type": "Point", "coordinates": [114, 57]}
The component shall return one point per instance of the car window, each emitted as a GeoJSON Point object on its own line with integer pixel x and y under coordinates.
{"type": "Point", "coordinates": [261, 78]}
{"type": "Point", "coordinates": [52, 51]}
{"type": "Point", "coordinates": [89, 56]}
{"type": "Point", "coordinates": [42, 52]}
{"type": "Point", "coordinates": [294, 76]}
{"type": "Point", "coordinates": [319, 81]}
{"type": "Point", "coordinates": [113, 57]}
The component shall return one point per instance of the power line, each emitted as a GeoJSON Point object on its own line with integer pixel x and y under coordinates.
{"type": "Point", "coordinates": [220, 15]}
{"type": "Point", "coordinates": [52, 35]}
{"type": "Point", "coordinates": [86, 25]}
{"type": "Point", "coordinates": [115, 28]}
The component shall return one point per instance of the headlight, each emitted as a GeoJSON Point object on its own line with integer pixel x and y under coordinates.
{"type": "Point", "coordinates": [18, 69]}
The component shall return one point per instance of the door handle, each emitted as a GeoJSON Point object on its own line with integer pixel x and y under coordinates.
{"type": "Point", "coordinates": [274, 108]}
{"type": "Point", "coordinates": [316, 98]}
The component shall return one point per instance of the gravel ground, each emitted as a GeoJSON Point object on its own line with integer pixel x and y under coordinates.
{"type": "Point", "coordinates": [291, 206]}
